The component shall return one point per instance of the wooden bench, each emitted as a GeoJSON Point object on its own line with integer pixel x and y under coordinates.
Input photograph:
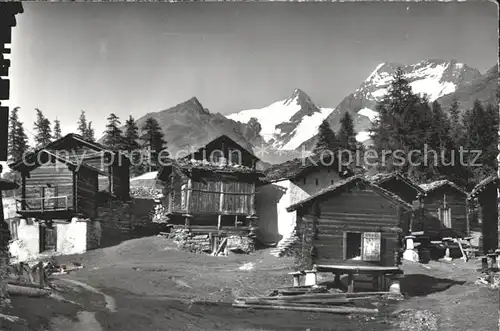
{"type": "Point", "coordinates": [381, 274]}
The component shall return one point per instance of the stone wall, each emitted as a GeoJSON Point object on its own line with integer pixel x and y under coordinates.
{"type": "Point", "coordinates": [200, 243]}
{"type": "Point", "coordinates": [72, 238]}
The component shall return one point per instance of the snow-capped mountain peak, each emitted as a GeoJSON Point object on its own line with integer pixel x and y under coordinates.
{"type": "Point", "coordinates": [432, 77]}
{"type": "Point", "coordinates": [287, 123]}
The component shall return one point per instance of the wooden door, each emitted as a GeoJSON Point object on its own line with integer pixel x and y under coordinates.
{"type": "Point", "coordinates": [48, 238]}
{"type": "Point", "coordinates": [371, 246]}
{"type": "Point", "coordinates": [49, 194]}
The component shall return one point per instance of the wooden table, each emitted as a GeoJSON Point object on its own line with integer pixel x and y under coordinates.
{"type": "Point", "coordinates": [379, 273]}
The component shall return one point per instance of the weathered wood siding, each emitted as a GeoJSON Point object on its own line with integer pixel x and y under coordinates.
{"type": "Point", "coordinates": [360, 210]}
{"type": "Point", "coordinates": [401, 189]}
{"type": "Point", "coordinates": [205, 196]}
{"type": "Point", "coordinates": [87, 187]}
{"type": "Point", "coordinates": [489, 215]}
{"type": "Point", "coordinates": [455, 200]}
{"type": "Point", "coordinates": [121, 180]}
{"type": "Point", "coordinates": [55, 174]}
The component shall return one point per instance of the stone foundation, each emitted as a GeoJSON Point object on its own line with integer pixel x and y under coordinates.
{"type": "Point", "coordinates": [75, 237]}
{"type": "Point", "coordinates": [200, 243]}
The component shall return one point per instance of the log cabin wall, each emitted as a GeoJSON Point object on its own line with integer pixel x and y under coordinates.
{"type": "Point", "coordinates": [354, 212]}
{"type": "Point", "coordinates": [55, 174]}
{"type": "Point", "coordinates": [120, 178]}
{"type": "Point", "coordinates": [434, 204]}
{"type": "Point", "coordinates": [86, 192]}
{"type": "Point", "coordinates": [489, 211]}
{"type": "Point", "coordinates": [400, 188]}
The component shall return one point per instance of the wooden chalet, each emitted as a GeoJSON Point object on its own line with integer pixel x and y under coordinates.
{"type": "Point", "coordinates": [355, 223]}
{"type": "Point", "coordinates": [113, 167]}
{"type": "Point", "coordinates": [56, 188]}
{"type": "Point", "coordinates": [398, 184]}
{"type": "Point", "coordinates": [213, 189]}
{"type": "Point", "coordinates": [447, 202]}
{"type": "Point", "coordinates": [485, 194]}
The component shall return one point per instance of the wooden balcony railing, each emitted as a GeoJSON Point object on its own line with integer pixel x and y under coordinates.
{"type": "Point", "coordinates": [58, 203]}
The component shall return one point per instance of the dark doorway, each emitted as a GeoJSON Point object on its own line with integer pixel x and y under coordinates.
{"type": "Point", "coordinates": [48, 238]}
{"type": "Point", "coordinates": [353, 245]}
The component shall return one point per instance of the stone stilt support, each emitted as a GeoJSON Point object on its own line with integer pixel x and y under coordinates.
{"type": "Point", "coordinates": [187, 220]}
{"type": "Point", "coordinates": [311, 278]}
{"type": "Point", "coordinates": [252, 225]}
{"type": "Point", "coordinates": [410, 254]}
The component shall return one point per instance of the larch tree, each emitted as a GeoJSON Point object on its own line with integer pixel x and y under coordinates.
{"type": "Point", "coordinates": [43, 130]}
{"type": "Point", "coordinates": [17, 139]}
{"type": "Point", "coordinates": [57, 129]}
{"type": "Point", "coordinates": [113, 134]}
{"type": "Point", "coordinates": [327, 141]}
{"type": "Point", "coordinates": [152, 137]}
{"type": "Point", "coordinates": [82, 124]}
{"type": "Point", "coordinates": [131, 145]}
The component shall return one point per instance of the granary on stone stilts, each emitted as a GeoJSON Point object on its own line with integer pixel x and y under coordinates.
{"type": "Point", "coordinates": [484, 196]}
{"type": "Point", "coordinates": [62, 205]}
{"type": "Point", "coordinates": [209, 197]}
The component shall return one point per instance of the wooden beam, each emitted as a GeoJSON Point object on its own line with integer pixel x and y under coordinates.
{"type": "Point", "coordinates": [188, 195]}
{"type": "Point", "coordinates": [221, 197]}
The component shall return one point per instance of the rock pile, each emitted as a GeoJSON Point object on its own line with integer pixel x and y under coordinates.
{"type": "Point", "coordinates": [191, 242]}
{"type": "Point", "coordinates": [200, 243]}
{"type": "Point", "coordinates": [145, 192]}
{"type": "Point", "coordinates": [239, 244]}
{"type": "Point", "coordinates": [491, 280]}
{"type": "Point", "coordinates": [159, 214]}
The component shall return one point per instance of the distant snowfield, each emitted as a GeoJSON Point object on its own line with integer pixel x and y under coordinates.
{"type": "Point", "coordinates": [281, 112]}
{"type": "Point", "coordinates": [307, 128]}
{"type": "Point", "coordinates": [268, 117]}
{"type": "Point", "coordinates": [148, 175]}
{"type": "Point", "coordinates": [371, 114]}
{"type": "Point", "coordinates": [363, 136]}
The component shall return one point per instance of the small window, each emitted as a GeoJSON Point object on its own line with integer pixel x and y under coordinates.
{"type": "Point", "coordinates": [304, 180]}
{"type": "Point", "coordinates": [331, 182]}
{"type": "Point", "coordinates": [317, 182]}
{"type": "Point", "coordinates": [235, 156]}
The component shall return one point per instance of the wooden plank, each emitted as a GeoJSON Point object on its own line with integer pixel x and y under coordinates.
{"type": "Point", "coordinates": [310, 308]}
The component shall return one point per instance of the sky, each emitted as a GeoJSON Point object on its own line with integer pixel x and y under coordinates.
{"type": "Point", "coordinates": [135, 58]}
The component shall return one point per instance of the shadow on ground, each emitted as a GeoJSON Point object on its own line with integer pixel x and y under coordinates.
{"type": "Point", "coordinates": [421, 285]}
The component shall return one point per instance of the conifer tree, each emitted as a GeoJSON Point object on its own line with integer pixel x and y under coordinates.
{"type": "Point", "coordinates": [347, 135]}
{"type": "Point", "coordinates": [82, 124]}
{"type": "Point", "coordinates": [57, 130]}
{"type": "Point", "coordinates": [89, 133]}
{"type": "Point", "coordinates": [481, 127]}
{"type": "Point", "coordinates": [42, 128]}
{"type": "Point", "coordinates": [153, 141]}
{"type": "Point", "coordinates": [401, 124]}
{"type": "Point", "coordinates": [327, 141]}
{"type": "Point", "coordinates": [17, 139]}
{"type": "Point", "coordinates": [131, 135]}
{"type": "Point", "coordinates": [131, 145]}
{"type": "Point", "coordinates": [113, 134]}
